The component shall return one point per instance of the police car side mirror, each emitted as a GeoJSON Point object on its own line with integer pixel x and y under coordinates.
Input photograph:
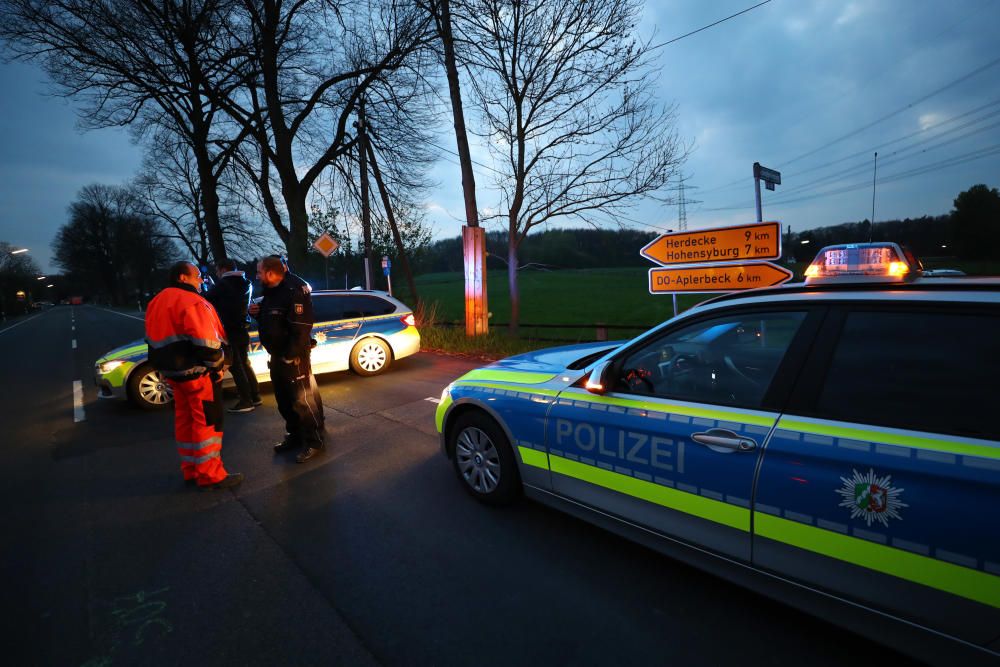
{"type": "Point", "coordinates": [597, 383]}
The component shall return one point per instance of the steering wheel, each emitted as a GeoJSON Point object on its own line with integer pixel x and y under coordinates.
{"type": "Point", "coordinates": [638, 379]}
{"type": "Point", "coordinates": [740, 374]}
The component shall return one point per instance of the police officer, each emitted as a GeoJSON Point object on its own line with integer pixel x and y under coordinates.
{"type": "Point", "coordinates": [231, 297]}
{"type": "Point", "coordinates": [285, 319]}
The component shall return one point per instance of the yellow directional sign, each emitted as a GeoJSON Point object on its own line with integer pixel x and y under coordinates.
{"type": "Point", "coordinates": [722, 244]}
{"type": "Point", "coordinates": [721, 278]}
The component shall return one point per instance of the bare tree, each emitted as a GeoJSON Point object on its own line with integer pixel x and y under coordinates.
{"type": "Point", "coordinates": [565, 96]}
{"type": "Point", "coordinates": [312, 60]}
{"type": "Point", "coordinates": [110, 244]}
{"type": "Point", "coordinates": [140, 60]}
{"type": "Point", "coordinates": [171, 189]}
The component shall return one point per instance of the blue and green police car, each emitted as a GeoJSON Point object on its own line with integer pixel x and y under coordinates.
{"type": "Point", "coordinates": [364, 330]}
{"type": "Point", "coordinates": [834, 444]}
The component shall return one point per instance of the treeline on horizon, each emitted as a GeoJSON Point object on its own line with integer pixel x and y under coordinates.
{"type": "Point", "coordinates": [555, 249]}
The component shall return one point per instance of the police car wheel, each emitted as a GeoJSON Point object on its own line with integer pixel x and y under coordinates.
{"type": "Point", "coordinates": [370, 356]}
{"type": "Point", "coordinates": [483, 459]}
{"type": "Point", "coordinates": [148, 390]}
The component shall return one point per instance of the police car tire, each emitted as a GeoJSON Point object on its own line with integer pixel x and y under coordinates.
{"type": "Point", "coordinates": [508, 486]}
{"type": "Point", "coordinates": [373, 350]}
{"type": "Point", "coordinates": [134, 389]}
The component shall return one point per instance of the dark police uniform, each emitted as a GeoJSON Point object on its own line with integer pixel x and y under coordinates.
{"type": "Point", "coordinates": [285, 325]}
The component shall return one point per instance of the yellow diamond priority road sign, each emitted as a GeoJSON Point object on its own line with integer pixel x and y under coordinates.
{"type": "Point", "coordinates": [721, 278]}
{"type": "Point", "coordinates": [722, 244]}
{"type": "Point", "coordinates": [326, 244]}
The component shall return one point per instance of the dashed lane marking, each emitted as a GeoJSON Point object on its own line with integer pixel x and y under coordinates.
{"type": "Point", "coordinates": [78, 413]}
{"type": "Point", "coordinates": [74, 343]}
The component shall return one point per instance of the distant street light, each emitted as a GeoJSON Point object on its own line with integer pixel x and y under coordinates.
{"type": "Point", "coordinates": [18, 252]}
{"type": "Point", "coordinates": [806, 242]}
{"type": "Point", "coordinates": [50, 285]}
{"type": "Point", "coordinates": [40, 278]}
{"type": "Point", "coordinates": [944, 246]}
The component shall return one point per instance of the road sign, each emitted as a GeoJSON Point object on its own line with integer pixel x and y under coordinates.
{"type": "Point", "coordinates": [386, 265]}
{"type": "Point", "coordinates": [721, 278]}
{"type": "Point", "coordinates": [722, 244]}
{"type": "Point", "coordinates": [325, 244]}
{"type": "Point", "coordinates": [767, 175]}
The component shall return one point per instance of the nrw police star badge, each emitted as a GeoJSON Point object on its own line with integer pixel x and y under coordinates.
{"type": "Point", "coordinates": [871, 497]}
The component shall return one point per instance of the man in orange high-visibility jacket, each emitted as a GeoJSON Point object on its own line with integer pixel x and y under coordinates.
{"type": "Point", "coordinates": [187, 345]}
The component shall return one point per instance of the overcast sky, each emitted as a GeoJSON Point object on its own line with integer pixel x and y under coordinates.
{"type": "Point", "coordinates": [810, 88]}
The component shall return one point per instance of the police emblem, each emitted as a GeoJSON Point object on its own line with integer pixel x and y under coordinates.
{"type": "Point", "coordinates": [298, 309]}
{"type": "Point", "coordinates": [320, 337]}
{"type": "Point", "coordinates": [871, 497]}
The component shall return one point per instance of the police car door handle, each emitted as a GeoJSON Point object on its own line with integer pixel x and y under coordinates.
{"type": "Point", "coordinates": [722, 440]}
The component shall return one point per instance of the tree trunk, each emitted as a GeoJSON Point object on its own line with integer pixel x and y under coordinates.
{"type": "Point", "coordinates": [366, 218]}
{"type": "Point", "coordinates": [476, 315]}
{"type": "Point", "coordinates": [298, 223]}
{"type": "Point", "coordinates": [396, 237]}
{"type": "Point", "coordinates": [515, 295]}
{"type": "Point", "coordinates": [209, 201]}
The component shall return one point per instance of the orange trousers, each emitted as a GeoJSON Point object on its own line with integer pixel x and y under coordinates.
{"type": "Point", "coordinates": [198, 415]}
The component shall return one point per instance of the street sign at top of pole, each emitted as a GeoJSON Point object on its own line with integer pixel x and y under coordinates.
{"type": "Point", "coordinates": [767, 175]}
{"type": "Point", "coordinates": [326, 244]}
{"type": "Point", "coordinates": [723, 244]}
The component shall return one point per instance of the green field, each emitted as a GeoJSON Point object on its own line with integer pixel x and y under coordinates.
{"type": "Point", "coordinates": [587, 297]}
{"type": "Point", "coordinates": [616, 297]}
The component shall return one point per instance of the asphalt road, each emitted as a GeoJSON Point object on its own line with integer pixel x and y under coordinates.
{"type": "Point", "coordinates": [372, 554]}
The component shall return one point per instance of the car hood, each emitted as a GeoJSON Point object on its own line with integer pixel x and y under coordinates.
{"type": "Point", "coordinates": [550, 361]}
{"type": "Point", "coordinates": [134, 351]}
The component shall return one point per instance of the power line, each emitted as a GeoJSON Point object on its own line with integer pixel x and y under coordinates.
{"type": "Point", "coordinates": [710, 25]}
{"type": "Point", "coordinates": [855, 132]}
{"type": "Point", "coordinates": [917, 171]}
{"type": "Point", "coordinates": [924, 98]}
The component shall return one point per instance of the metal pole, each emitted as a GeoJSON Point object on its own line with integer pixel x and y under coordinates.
{"type": "Point", "coordinates": [675, 303]}
{"type": "Point", "coordinates": [328, 272]}
{"type": "Point", "coordinates": [756, 184]}
{"type": "Point", "coordinates": [871, 227]}
{"type": "Point", "coordinates": [388, 280]}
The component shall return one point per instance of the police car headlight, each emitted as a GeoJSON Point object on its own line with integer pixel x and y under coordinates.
{"type": "Point", "coordinates": [108, 366]}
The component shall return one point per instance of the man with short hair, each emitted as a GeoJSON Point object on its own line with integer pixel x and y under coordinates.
{"type": "Point", "coordinates": [231, 296]}
{"type": "Point", "coordinates": [187, 344]}
{"type": "Point", "coordinates": [285, 318]}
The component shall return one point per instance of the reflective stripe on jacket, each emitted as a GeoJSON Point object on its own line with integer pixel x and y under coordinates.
{"type": "Point", "coordinates": [184, 334]}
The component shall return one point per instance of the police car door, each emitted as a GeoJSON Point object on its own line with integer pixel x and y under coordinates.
{"type": "Point", "coordinates": [673, 444]}
{"type": "Point", "coordinates": [882, 480]}
{"type": "Point", "coordinates": [333, 331]}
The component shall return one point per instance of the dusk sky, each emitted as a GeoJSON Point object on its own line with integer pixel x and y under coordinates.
{"type": "Point", "coordinates": [811, 89]}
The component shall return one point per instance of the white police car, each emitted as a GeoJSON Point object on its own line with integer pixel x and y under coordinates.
{"type": "Point", "coordinates": [834, 444]}
{"type": "Point", "coordinates": [361, 330]}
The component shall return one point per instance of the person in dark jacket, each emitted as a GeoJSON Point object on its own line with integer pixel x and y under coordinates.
{"type": "Point", "coordinates": [231, 296]}
{"type": "Point", "coordinates": [187, 344]}
{"type": "Point", "coordinates": [285, 319]}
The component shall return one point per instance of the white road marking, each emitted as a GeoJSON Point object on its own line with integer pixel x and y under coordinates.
{"type": "Point", "coordinates": [107, 310]}
{"type": "Point", "coordinates": [432, 399]}
{"type": "Point", "coordinates": [20, 323]}
{"type": "Point", "coordinates": [73, 328]}
{"type": "Point", "coordinates": [78, 414]}
{"type": "Point", "coordinates": [74, 343]}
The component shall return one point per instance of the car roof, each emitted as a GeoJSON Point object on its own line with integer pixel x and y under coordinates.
{"type": "Point", "coordinates": [979, 289]}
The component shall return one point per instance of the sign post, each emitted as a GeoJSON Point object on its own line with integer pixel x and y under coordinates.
{"type": "Point", "coordinates": [770, 178]}
{"type": "Point", "coordinates": [326, 244]}
{"type": "Point", "coordinates": [386, 267]}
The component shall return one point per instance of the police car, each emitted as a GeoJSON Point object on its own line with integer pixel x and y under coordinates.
{"type": "Point", "coordinates": [834, 444]}
{"type": "Point", "coordinates": [357, 329]}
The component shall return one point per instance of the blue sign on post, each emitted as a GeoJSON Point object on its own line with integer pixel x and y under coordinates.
{"type": "Point", "coordinates": [386, 265]}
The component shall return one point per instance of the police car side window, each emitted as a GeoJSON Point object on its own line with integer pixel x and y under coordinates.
{"type": "Point", "coordinates": [726, 361]}
{"type": "Point", "coordinates": [926, 371]}
{"type": "Point", "coordinates": [326, 308]}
